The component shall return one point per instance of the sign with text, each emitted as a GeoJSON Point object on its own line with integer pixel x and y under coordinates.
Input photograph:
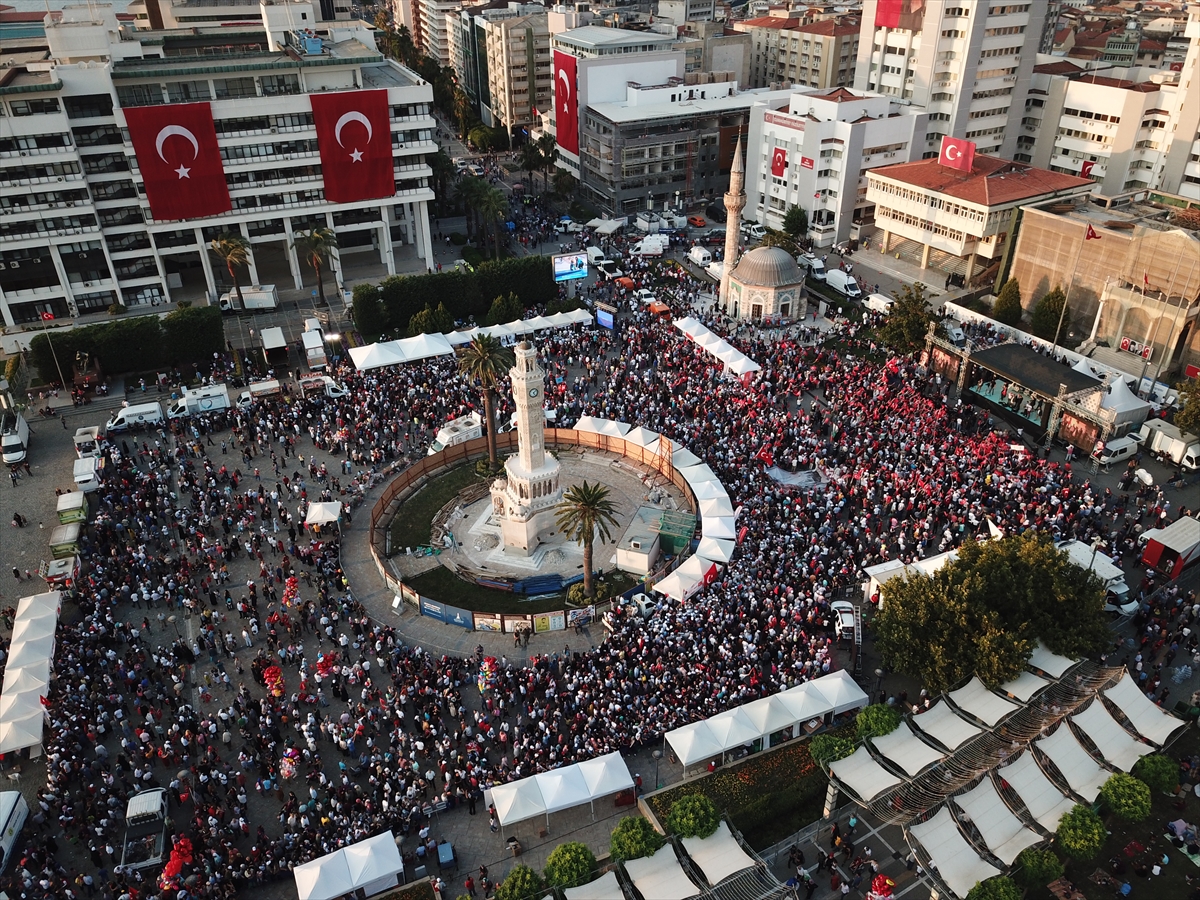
{"type": "Point", "coordinates": [785, 120]}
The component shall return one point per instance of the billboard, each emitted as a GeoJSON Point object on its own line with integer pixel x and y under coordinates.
{"type": "Point", "coordinates": [604, 318]}
{"type": "Point", "coordinates": [570, 266]}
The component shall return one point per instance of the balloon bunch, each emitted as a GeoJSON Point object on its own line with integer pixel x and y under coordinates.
{"type": "Point", "coordinates": [181, 855]}
{"type": "Point", "coordinates": [881, 888]}
{"type": "Point", "coordinates": [326, 663]}
{"type": "Point", "coordinates": [291, 591]}
{"type": "Point", "coordinates": [489, 675]}
{"type": "Point", "coordinates": [273, 677]}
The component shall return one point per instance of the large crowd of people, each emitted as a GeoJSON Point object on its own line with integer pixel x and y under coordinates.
{"type": "Point", "coordinates": [286, 722]}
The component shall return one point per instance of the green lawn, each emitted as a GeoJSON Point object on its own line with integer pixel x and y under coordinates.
{"type": "Point", "coordinates": [410, 527]}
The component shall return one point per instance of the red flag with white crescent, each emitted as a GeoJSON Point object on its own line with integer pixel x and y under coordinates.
{"type": "Point", "coordinates": [779, 162]}
{"type": "Point", "coordinates": [566, 103]}
{"type": "Point", "coordinates": [180, 162]}
{"type": "Point", "coordinates": [354, 135]}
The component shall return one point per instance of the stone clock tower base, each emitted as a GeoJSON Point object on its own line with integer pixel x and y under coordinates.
{"type": "Point", "coordinates": [524, 503]}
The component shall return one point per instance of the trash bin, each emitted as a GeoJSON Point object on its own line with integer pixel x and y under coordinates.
{"type": "Point", "coordinates": [515, 846]}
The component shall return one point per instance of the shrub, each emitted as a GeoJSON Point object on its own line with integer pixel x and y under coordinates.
{"type": "Point", "coordinates": [693, 816]}
{"type": "Point", "coordinates": [1081, 833]}
{"type": "Point", "coordinates": [877, 720]}
{"type": "Point", "coordinates": [1160, 773]}
{"type": "Point", "coordinates": [570, 865]}
{"type": "Point", "coordinates": [1037, 867]}
{"type": "Point", "coordinates": [1001, 887]}
{"type": "Point", "coordinates": [1008, 304]}
{"type": "Point", "coordinates": [458, 239]}
{"type": "Point", "coordinates": [1045, 319]}
{"type": "Point", "coordinates": [633, 838]}
{"type": "Point", "coordinates": [829, 748]}
{"type": "Point", "coordinates": [370, 318]}
{"type": "Point", "coordinates": [431, 321]}
{"type": "Point", "coordinates": [1126, 797]}
{"type": "Point", "coordinates": [522, 883]}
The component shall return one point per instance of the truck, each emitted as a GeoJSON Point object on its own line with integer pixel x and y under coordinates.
{"type": "Point", "coordinates": [651, 245]}
{"type": "Point", "coordinates": [1116, 591]}
{"type": "Point", "coordinates": [259, 390]}
{"type": "Point", "coordinates": [314, 349]}
{"type": "Point", "coordinates": [257, 296]}
{"type": "Point", "coordinates": [14, 437]}
{"type": "Point", "coordinates": [1174, 548]}
{"type": "Point", "coordinates": [311, 385]}
{"type": "Point", "coordinates": [210, 398]}
{"type": "Point", "coordinates": [132, 416]}
{"type": "Point", "coordinates": [145, 830]}
{"type": "Point", "coordinates": [1164, 439]}
{"type": "Point", "coordinates": [87, 441]}
{"type": "Point", "coordinates": [14, 810]}
{"type": "Point", "coordinates": [88, 472]}
{"type": "Point", "coordinates": [457, 431]}
{"type": "Point", "coordinates": [275, 348]}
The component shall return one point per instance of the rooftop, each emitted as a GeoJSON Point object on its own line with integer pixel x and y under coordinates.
{"type": "Point", "coordinates": [769, 22]}
{"type": "Point", "coordinates": [1035, 371]}
{"type": "Point", "coordinates": [1058, 68]}
{"type": "Point", "coordinates": [587, 36]}
{"type": "Point", "coordinates": [623, 112]}
{"type": "Point", "coordinates": [768, 267]}
{"type": "Point", "coordinates": [832, 27]}
{"type": "Point", "coordinates": [991, 182]}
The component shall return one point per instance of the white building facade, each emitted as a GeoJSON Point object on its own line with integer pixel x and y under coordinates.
{"type": "Point", "coordinates": [79, 234]}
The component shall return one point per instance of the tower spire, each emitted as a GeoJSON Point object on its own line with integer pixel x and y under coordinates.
{"type": "Point", "coordinates": [735, 201]}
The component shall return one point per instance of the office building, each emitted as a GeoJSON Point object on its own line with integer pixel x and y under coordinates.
{"type": "Point", "coordinates": [786, 51]}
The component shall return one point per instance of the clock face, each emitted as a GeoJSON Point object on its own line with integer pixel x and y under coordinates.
{"type": "Point", "coordinates": [533, 392]}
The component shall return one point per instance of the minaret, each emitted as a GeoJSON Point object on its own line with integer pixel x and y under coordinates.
{"type": "Point", "coordinates": [735, 202]}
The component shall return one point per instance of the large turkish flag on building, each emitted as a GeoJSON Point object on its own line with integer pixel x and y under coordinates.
{"type": "Point", "coordinates": [176, 148]}
{"type": "Point", "coordinates": [354, 136]}
{"type": "Point", "coordinates": [957, 153]}
{"type": "Point", "coordinates": [779, 162]}
{"type": "Point", "coordinates": [566, 103]}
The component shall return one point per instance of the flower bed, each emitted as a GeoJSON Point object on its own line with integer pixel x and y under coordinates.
{"type": "Point", "coordinates": [767, 797]}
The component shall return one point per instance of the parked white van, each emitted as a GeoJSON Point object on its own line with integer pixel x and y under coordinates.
{"type": "Point", "coordinates": [813, 265]}
{"type": "Point", "coordinates": [700, 257]}
{"type": "Point", "coordinates": [87, 473]}
{"type": "Point", "coordinates": [843, 283]}
{"type": "Point", "coordinates": [132, 416]}
{"type": "Point", "coordinates": [880, 303]}
{"type": "Point", "coordinates": [1117, 450]}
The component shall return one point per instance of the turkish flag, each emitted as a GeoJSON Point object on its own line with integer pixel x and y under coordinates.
{"type": "Point", "coordinates": [355, 140]}
{"type": "Point", "coordinates": [47, 317]}
{"type": "Point", "coordinates": [1090, 234]}
{"type": "Point", "coordinates": [779, 162]}
{"type": "Point", "coordinates": [566, 103]}
{"type": "Point", "coordinates": [957, 153]}
{"type": "Point", "coordinates": [176, 148]}
{"type": "Point", "coordinates": [1085, 171]}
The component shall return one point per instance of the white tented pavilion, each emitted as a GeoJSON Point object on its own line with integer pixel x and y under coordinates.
{"type": "Point", "coordinates": [606, 887]}
{"type": "Point", "coordinates": [1002, 831]}
{"type": "Point", "coordinates": [1051, 663]}
{"type": "Point", "coordinates": [27, 672]}
{"type": "Point", "coordinates": [906, 751]}
{"type": "Point", "coordinates": [1118, 747]}
{"type": "Point", "coordinates": [977, 701]}
{"type": "Point", "coordinates": [736, 361]}
{"type": "Point", "coordinates": [1076, 765]}
{"type": "Point", "coordinates": [955, 860]}
{"type": "Point", "coordinates": [373, 865]}
{"type": "Point", "coordinates": [602, 426]}
{"type": "Point", "coordinates": [694, 743]}
{"type": "Point", "coordinates": [840, 690]}
{"type": "Point", "coordinates": [945, 726]}
{"type": "Point", "coordinates": [660, 876]}
{"type": "Point", "coordinates": [562, 788]}
{"type": "Point", "coordinates": [688, 578]}
{"type": "Point", "coordinates": [863, 775]}
{"type": "Point", "coordinates": [718, 856]}
{"type": "Point", "coordinates": [323, 513]}
{"type": "Point", "coordinates": [1150, 721]}
{"type": "Point", "coordinates": [1046, 803]}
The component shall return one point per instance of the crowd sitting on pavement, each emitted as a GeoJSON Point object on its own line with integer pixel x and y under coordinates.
{"type": "Point", "coordinates": [291, 723]}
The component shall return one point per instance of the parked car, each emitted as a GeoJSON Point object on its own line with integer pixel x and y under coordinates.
{"type": "Point", "coordinates": [715, 212]}
{"type": "Point", "coordinates": [716, 237]}
{"type": "Point", "coordinates": [754, 230]}
{"type": "Point", "coordinates": [696, 221]}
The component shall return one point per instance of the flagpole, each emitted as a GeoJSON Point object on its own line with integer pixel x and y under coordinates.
{"type": "Point", "coordinates": [1174, 321]}
{"type": "Point", "coordinates": [1067, 297]}
{"type": "Point", "coordinates": [62, 380]}
{"type": "Point", "coordinates": [1157, 324]}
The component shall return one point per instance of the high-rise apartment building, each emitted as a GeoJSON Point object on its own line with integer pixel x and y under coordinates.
{"type": "Point", "coordinates": [435, 29]}
{"type": "Point", "coordinates": [518, 70]}
{"type": "Point", "coordinates": [968, 62]}
{"type": "Point", "coordinates": [819, 55]}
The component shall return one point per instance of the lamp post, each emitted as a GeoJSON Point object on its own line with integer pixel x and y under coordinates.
{"type": "Point", "coordinates": [175, 622]}
{"type": "Point", "coordinates": [657, 754]}
{"type": "Point", "coordinates": [878, 680]}
{"type": "Point", "coordinates": [336, 340]}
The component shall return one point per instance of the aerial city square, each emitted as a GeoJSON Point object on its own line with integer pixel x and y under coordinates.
{"type": "Point", "coordinates": [643, 451]}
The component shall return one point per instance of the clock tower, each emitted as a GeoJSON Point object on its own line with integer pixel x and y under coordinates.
{"type": "Point", "coordinates": [525, 500]}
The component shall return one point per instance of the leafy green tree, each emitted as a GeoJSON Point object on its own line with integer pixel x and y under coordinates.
{"type": "Point", "coordinates": [529, 277]}
{"type": "Point", "coordinates": [795, 222]}
{"type": "Point", "coordinates": [370, 318]}
{"type": "Point", "coordinates": [781, 239]}
{"type": "Point", "coordinates": [1037, 867]}
{"type": "Point", "coordinates": [1159, 773]}
{"type": "Point", "coordinates": [877, 720]}
{"type": "Point", "coordinates": [431, 321]}
{"type": "Point", "coordinates": [1000, 887]}
{"type": "Point", "coordinates": [829, 748]}
{"type": "Point", "coordinates": [981, 613]}
{"type": "Point", "coordinates": [547, 146]}
{"type": "Point", "coordinates": [493, 209]}
{"type": "Point", "coordinates": [522, 883]}
{"type": "Point", "coordinates": [633, 838]}
{"type": "Point", "coordinates": [584, 513]}
{"type": "Point", "coordinates": [1128, 798]}
{"type": "Point", "coordinates": [468, 192]}
{"type": "Point", "coordinates": [570, 865]}
{"type": "Point", "coordinates": [485, 361]}
{"type": "Point", "coordinates": [693, 815]}
{"type": "Point", "coordinates": [1188, 418]}
{"type": "Point", "coordinates": [443, 172]}
{"type": "Point", "coordinates": [564, 184]}
{"type": "Point", "coordinates": [908, 321]}
{"type": "Point", "coordinates": [192, 334]}
{"type": "Point", "coordinates": [317, 247]}
{"type": "Point", "coordinates": [1081, 833]}
{"type": "Point", "coordinates": [505, 309]}
{"type": "Point", "coordinates": [1047, 314]}
{"type": "Point", "coordinates": [233, 250]}
{"type": "Point", "coordinates": [1008, 303]}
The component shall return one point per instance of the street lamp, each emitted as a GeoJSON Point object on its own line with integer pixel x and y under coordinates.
{"type": "Point", "coordinates": [175, 622]}
{"type": "Point", "coordinates": [657, 754]}
{"type": "Point", "coordinates": [878, 680]}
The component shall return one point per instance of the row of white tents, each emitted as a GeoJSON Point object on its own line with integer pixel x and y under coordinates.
{"type": "Point", "coordinates": [425, 346]}
{"type": "Point", "coordinates": [373, 865]}
{"type": "Point", "coordinates": [788, 710]}
{"type": "Point", "coordinates": [562, 788]}
{"type": "Point", "coordinates": [27, 672]}
{"type": "Point", "coordinates": [735, 360]}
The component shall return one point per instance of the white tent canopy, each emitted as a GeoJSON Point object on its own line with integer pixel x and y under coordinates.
{"type": "Point", "coordinates": [1076, 765]}
{"type": "Point", "coordinates": [694, 743]}
{"type": "Point", "coordinates": [840, 690]}
{"type": "Point", "coordinates": [698, 474]}
{"type": "Point", "coordinates": [719, 855]}
{"type": "Point", "coordinates": [723, 527]}
{"type": "Point", "coordinates": [323, 513]}
{"type": "Point", "coordinates": [906, 750]}
{"type": "Point", "coordinates": [704, 490]}
{"type": "Point", "coordinates": [605, 775]}
{"type": "Point", "coordinates": [606, 887]}
{"type": "Point", "coordinates": [1051, 663]}
{"type": "Point", "coordinates": [660, 876]}
{"type": "Point", "coordinates": [946, 726]}
{"type": "Point", "coordinates": [608, 427]}
{"type": "Point", "coordinates": [37, 605]}
{"type": "Point", "coordinates": [518, 800]}
{"type": "Point", "coordinates": [643, 437]}
{"type": "Point", "coordinates": [1150, 721]}
{"type": "Point", "coordinates": [733, 728]}
{"type": "Point", "coordinates": [863, 775]}
{"type": "Point", "coordinates": [1002, 831]}
{"type": "Point", "coordinates": [376, 356]}
{"type": "Point", "coordinates": [1121, 399]}
{"type": "Point", "coordinates": [562, 788]}
{"type": "Point", "coordinates": [805, 703]}
{"type": "Point", "coordinates": [372, 865]}
{"type": "Point", "coordinates": [733, 358]}
{"type": "Point", "coordinates": [716, 508]}
{"type": "Point", "coordinates": [682, 457]}
{"type": "Point", "coordinates": [716, 549]}
{"type": "Point", "coordinates": [687, 579]}
{"type": "Point", "coordinates": [976, 700]}
{"type": "Point", "coordinates": [1116, 745]}
{"type": "Point", "coordinates": [1046, 803]}
{"type": "Point", "coordinates": [30, 652]}
{"type": "Point", "coordinates": [770, 714]}
{"type": "Point", "coordinates": [959, 866]}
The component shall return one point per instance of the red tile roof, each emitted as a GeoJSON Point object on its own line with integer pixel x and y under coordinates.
{"type": "Point", "coordinates": [831, 27]}
{"type": "Point", "coordinates": [991, 182]}
{"type": "Point", "coordinates": [1057, 68]}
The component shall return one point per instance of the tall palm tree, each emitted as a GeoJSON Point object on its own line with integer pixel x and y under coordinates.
{"type": "Point", "coordinates": [486, 360]}
{"type": "Point", "coordinates": [547, 145]}
{"type": "Point", "coordinates": [464, 112]}
{"type": "Point", "coordinates": [531, 161]}
{"type": "Point", "coordinates": [318, 246]}
{"type": "Point", "coordinates": [443, 171]}
{"type": "Point", "coordinates": [584, 512]}
{"type": "Point", "coordinates": [234, 251]}
{"type": "Point", "coordinates": [405, 48]}
{"type": "Point", "coordinates": [564, 184]}
{"type": "Point", "coordinates": [493, 207]}
{"type": "Point", "coordinates": [469, 191]}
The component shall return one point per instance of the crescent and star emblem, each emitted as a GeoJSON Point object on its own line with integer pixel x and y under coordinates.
{"type": "Point", "coordinates": [167, 132]}
{"type": "Point", "coordinates": [346, 119]}
{"type": "Point", "coordinates": [952, 152]}
{"type": "Point", "coordinates": [566, 89]}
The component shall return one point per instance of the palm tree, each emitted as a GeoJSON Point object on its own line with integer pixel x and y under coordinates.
{"type": "Point", "coordinates": [585, 510]}
{"type": "Point", "coordinates": [443, 171]}
{"type": "Point", "coordinates": [564, 184]}
{"type": "Point", "coordinates": [547, 145]}
{"type": "Point", "coordinates": [405, 48]}
{"type": "Point", "coordinates": [234, 251]}
{"type": "Point", "coordinates": [531, 161]}
{"type": "Point", "coordinates": [469, 191]}
{"type": "Point", "coordinates": [317, 247]}
{"type": "Point", "coordinates": [464, 112]}
{"type": "Point", "coordinates": [486, 360]}
{"type": "Point", "coordinates": [492, 207]}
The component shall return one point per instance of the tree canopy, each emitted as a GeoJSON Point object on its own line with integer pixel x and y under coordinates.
{"type": "Point", "coordinates": [1008, 303]}
{"type": "Point", "coordinates": [1188, 418]}
{"type": "Point", "coordinates": [981, 613]}
{"type": "Point", "coordinates": [633, 838]}
{"type": "Point", "coordinates": [877, 720]}
{"type": "Point", "coordinates": [522, 883]}
{"type": "Point", "coordinates": [1037, 867]}
{"type": "Point", "coordinates": [795, 222]}
{"type": "Point", "coordinates": [906, 325]}
{"type": "Point", "coordinates": [1160, 773]}
{"type": "Point", "coordinates": [1046, 316]}
{"type": "Point", "coordinates": [693, 815]}
{"type": "Point", "coordinates": [1126, 797]}
{"type": "Point", "coordinates": [1001, 887]}
{"type": "Point", "coordinates": [828, 748]}
{"type": "Point", "coordinates": [1081, 833]}
{"type": "Point", "coordinates": [570, 865]}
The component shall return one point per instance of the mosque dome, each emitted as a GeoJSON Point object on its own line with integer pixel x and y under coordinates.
{"type": "Point", "coordinates": [768, 267]}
